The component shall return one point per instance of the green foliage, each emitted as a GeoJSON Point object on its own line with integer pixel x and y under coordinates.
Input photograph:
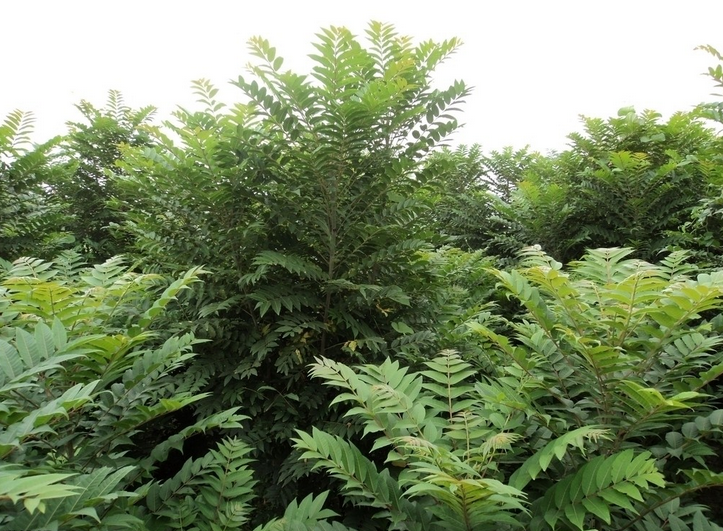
{"type": "Point", "coordinates": [83, 382]}
{"type": "Point", "coordinates": [471, 188]}
{"type": "Point", "coordinates": [211, 493]}
{"type": "Point", "coordinates": [336, 231]}
{"type": "Point", "coordinates": [701, 233]}
{"type": "Point", "coordinates": [713, 110]}
{"type": "Point", "coordinates": [626, 181]}
{"type": "Point", "coordinates": [440, 437]}
{"type": "Point", "coordinates": [624, 347]}
{"type": "Point", "coordinates": [599, 409]}
{"type": "Point", "coordinates": [31, 221]}
{"type": "Point", "coordinates": [599, 486]}
{"type": "Point", "coordinates": [304, 204]}
{"type": "Point", "coordinates": [93, 147]}
{"type": "Point", "coordinates": [32, 490]}
{"type": "Point", "coordinates": [308, 515]}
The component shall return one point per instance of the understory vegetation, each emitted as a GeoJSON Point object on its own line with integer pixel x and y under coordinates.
{"type": "Point", "coordinates": [308, 311]}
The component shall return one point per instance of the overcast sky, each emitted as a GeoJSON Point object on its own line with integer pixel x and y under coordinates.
{"type": "Point", "coordinates": [535, 65]}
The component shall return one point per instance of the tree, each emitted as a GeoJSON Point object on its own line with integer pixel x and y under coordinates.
{"type": "Point", "coordinates": [303, 202]}
{"type": "Point", "coordinates": [31, 220]}
{"type": "Point", "coordinates": [627, 347]}
{"type": "Point", "coordinates": [701, 233]}
{"type": "Point", "coordinates": [471, 190]}
{"type": "Point", "coordinates": [93, 147]}
{"type": "Point", "coordinates": [626, 181]}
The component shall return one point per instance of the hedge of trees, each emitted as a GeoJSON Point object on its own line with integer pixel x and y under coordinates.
{"type": "Point", "coordinates": [306, 311]}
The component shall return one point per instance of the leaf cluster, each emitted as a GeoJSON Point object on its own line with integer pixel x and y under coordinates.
{"type": "Point", "coordinates": [83, 380]}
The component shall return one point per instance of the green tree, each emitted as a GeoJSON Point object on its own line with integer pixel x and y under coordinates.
{"type": "Point", "coordinates": [303, 202]}
{"type": "Point", "coordinates": [701, 233]}
{"type": "Point", "coordinates": [31, 220]}
{"type": "Point", "coordinates": [627, 347]}
{"type": "Point", "coordinates": [631, 181]}
{"type": "Point", "coordinates": [93, 147]}
{"type": "Point", "coordinates": [471, 189]}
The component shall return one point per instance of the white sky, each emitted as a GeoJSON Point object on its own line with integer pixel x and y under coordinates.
{"type": "Point", "coordinates": [535, 65]}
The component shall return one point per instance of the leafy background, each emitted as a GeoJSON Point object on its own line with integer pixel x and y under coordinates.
{"type": "Point", "coordinates": [307, 311]}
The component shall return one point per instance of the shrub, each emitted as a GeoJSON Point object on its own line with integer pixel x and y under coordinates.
{"type": "Point", "coordinates": [84, 382]}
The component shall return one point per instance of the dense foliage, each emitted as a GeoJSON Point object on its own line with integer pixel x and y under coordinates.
{"type": "Point", "coordinates": [304, 204]}
{"type": "Point", "coordinates": [626, 181]}
{"type": "Point", "coordinates": [32, 220]}
{"type": "Point", "coordinates": [93, 147]}
{"type": "Point", "coordinates": [333, 320]}
{"type": "Point", "coordinates": [81, 376]}
{"type": "Point", "coordinates": [568, 425]}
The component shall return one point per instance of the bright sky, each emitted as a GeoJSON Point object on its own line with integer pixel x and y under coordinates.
{"type": "Point", "coordinates": [535, 64]}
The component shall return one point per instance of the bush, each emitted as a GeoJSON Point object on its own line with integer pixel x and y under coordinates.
{"type": "Point", "coordinates": [84, 382]}
{"type": "Point", "coordinates": [599, 409]}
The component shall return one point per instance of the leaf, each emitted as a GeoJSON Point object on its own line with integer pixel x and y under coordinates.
{"type": "Point", "coordinates": [539, 462]}
{"type": "Point", "coordinates": [11, 364]}
{"type": "Point", "coordinates": [619, 479]}
{"type": "Point", "coordinates": [34, 490]}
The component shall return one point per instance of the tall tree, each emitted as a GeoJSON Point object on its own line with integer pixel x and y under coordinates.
{"type": "Point", "coordinates": [303, 203]}
{"type": "Point", "coordinates": [702, 233]}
